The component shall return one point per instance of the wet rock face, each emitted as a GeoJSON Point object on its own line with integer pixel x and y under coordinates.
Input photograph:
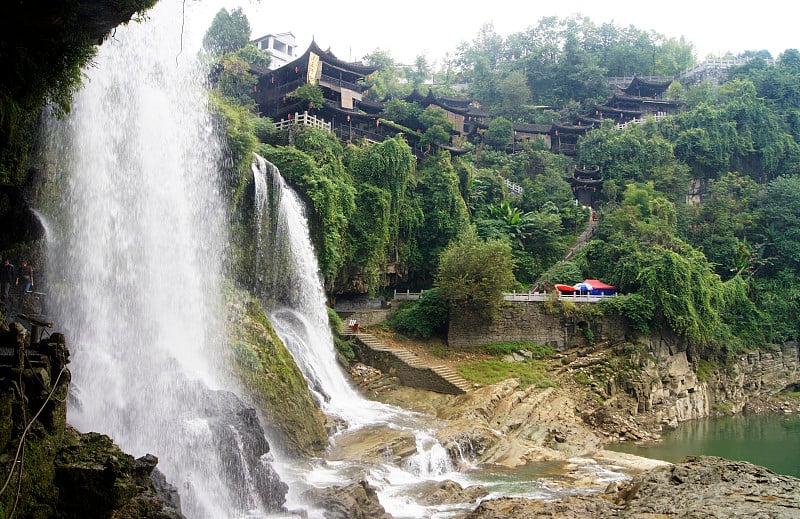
{"type": "Point", "coordinates": [95, 479]}
{"type": "Point", "coordinates": [449, 492]}
{"type": "Point", "coordinates": [355, 501]}
{"type": "Point", "coordinates": [238, 433]}
{"type": "Point", "coordinates": [573, 507]}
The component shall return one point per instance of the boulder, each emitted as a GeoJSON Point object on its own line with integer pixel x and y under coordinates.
{"type": "Point", "coordinates": [355, 501]}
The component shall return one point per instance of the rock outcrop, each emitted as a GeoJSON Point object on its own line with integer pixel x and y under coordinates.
{"type": "Point", "coordinates": [355, 501]}
{"type": "Point", "coordinates": [706, 486]}
{"type": "Point", "coordinates": [273, 380]}
{"type": "Point", "coordinates": [52, 469]}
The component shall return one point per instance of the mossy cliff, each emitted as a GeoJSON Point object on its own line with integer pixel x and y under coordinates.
{"type": "Point", "coordinates": [275, 384]}
{"type": "Point", "coordinates": [50, 470]}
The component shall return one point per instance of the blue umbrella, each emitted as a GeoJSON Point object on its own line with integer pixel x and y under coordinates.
{"type": "Point", "coordinates": [582, 287]}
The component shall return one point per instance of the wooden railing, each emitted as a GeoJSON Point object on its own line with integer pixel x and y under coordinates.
{"type": "Point", "coordinates": [303, 119]}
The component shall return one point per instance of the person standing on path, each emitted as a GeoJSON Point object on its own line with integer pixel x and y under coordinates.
{"type": "Point", "coordinates": [26, 275]}
{"type": "Point", "coordinates": [6, 278]}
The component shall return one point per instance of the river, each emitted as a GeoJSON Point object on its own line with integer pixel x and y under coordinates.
{"type": "Point", "coordinates": [767, 440]}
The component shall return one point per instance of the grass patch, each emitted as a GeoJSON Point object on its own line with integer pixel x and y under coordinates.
{"type": "Point", "coordinates": [539, 351]}
{"type": "Point", "coordinates": [486, 372]}
{"type": "Point", "coordinates": [582, 378]}
{"type": "Point", "coordinates": [704, 369]}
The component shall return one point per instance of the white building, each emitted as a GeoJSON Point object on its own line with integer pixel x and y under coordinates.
{"type": "Point", "coordinates": [281, 46]}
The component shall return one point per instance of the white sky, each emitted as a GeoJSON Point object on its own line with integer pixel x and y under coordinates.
{"type": "Point", "coordinates": [407, 28]}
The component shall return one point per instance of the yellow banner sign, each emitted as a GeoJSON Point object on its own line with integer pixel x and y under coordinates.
{"type": "Point", "coordinates": [313, 68]}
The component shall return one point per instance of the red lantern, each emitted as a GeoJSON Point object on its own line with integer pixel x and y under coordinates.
{"type": "Point", "coordinates": [348, 118]}
{"type": "Point", "coordinates": [297, 70]}
{"type": "Point", "coordinates": [289, 117]}
{"type": "Point", "coordinates": [273, 79]}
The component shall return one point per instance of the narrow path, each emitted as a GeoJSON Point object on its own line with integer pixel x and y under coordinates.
{"type": "Point", "coordinates": [449, 381]}
{"type": "Point", "coordinates": [583, 239]}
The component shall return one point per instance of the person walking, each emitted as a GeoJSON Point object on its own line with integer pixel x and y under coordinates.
{"type": "Point", "coordinates": [6, 278]}
{"type": "Point", "coordinates": [26, 275]}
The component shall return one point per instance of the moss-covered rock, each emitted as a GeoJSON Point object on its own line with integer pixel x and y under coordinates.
{"type": "Point", "coordinates": [275, 384]}
{"type": "Point", "coordinates": [96, 479]}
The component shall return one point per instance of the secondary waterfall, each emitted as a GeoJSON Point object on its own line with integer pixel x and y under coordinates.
{"type": "Point", "coordinates": [290, 283]}
{"type": "Point", "coordinates": [135, 262]}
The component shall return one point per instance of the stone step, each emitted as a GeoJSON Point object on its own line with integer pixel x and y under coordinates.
{"type": "Point", "coordinates": [411, 359]}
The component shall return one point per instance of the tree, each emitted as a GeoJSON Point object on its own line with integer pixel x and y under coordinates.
{"type": "Point", "coordinates": [228, 32]}
{"type": "Point", "coordinates": [474, 274]}
{"type": "Point", "coordinates": [420, 72]}
{"type": "Point", "coordinates": [384, 81]}
{"type": "Point", "coordinates": [310, 94]}
{"type": "Point", "coordinates": [499, 133]}
{"type": "Point", "coordinates": [438, 128]}
{"type": "Point", "coordinates": [445, 213]}
{"type": "Point", "coordinates": [515, 94]}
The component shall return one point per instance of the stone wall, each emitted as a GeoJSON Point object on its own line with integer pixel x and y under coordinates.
{"type": "Point", "coordinates": [531, 321]}
{"type": "Point", "coordinates": [662, 381]}
{"type": "Point", "coordinates": [412, 376]}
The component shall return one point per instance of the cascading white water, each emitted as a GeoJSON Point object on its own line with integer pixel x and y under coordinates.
{"type": "Point", "coordinates": [136, 261]}
{"type": "Point", "coordinates": [292, 289]}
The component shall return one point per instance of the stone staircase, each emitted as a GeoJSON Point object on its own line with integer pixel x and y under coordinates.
{"type": "Point", "coordinates": [407, 366]}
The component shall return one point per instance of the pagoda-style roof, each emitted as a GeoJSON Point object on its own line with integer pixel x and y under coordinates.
{"type": "Point", "coordinates": [370, 106]}
{"type": "Point", "coordinates": [586, 172]}
{"type": "Point", "coordinates": [331, 59]}
{"type": "Point", "coordinates": [456, 102]}
{"type": "Point", "coordinates": [643, 88]}
{"type": "Point", "coordinates": [533, 128]}
{"type": "Point", "coordinates": [560, 129]}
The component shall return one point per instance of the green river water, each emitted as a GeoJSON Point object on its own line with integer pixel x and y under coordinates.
{"type": "Point", "coordinates": [772, 441]}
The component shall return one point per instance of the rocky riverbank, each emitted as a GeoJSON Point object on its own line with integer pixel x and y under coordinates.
{"type": "Point", "coordinates": [598, 394]}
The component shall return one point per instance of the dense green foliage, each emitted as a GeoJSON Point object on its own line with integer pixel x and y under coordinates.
{"type": "Point", "coordinates": [698, 212]}
{"type": "Point", "coordinates": [229, 32]}
{"type": "Point", "coordinates": [43, 47]}
{"type": "Point", "coordinates": [474, 273]}
{"type": "Point", "coordinates": [423, 318]}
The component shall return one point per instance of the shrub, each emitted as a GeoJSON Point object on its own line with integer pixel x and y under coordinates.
{"type": "Point", "coordinates": [423, 318]}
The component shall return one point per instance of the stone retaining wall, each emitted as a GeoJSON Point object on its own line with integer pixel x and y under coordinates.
{"type": "Point", "coordinates": [531, 321]}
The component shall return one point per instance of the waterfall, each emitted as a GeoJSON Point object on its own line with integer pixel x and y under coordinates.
{"type": "Point", "coordinates": [136, 258]}
{"type": "Point", "coordinates": [292, 288]}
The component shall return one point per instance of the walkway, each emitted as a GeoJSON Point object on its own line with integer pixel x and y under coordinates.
{"type": "Point", "coordinates": [407, 366]}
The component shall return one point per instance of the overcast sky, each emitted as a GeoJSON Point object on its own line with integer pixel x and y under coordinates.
{"type": "Point", "coordinates": [407, 28]}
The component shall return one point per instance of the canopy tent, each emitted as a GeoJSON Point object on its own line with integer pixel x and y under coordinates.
{"type": "Point", "coordinates": [598, 288]}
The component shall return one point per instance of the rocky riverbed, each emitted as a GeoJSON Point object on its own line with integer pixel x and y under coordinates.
{"type": "Point", "coordinates": [596, 396]}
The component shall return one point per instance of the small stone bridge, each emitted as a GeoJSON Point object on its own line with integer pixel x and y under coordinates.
{"type": "Point", "coordinates": [409, 368]}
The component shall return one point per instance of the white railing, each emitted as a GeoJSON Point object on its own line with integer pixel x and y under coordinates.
{"type": "Point", "coordinates": [543, 296]}
{"type": "Point", "coordinates": [513, 188]}
{"type": "Point", "coordinates": [407, 296]}
{"type": "Point", "coordinates": [303, 119]}
{"type": "Point", "coordinates": [660, 116]}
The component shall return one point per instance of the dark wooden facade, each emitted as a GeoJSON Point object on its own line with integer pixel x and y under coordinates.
{"type": "Point", "coordinates": [586, 183]}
